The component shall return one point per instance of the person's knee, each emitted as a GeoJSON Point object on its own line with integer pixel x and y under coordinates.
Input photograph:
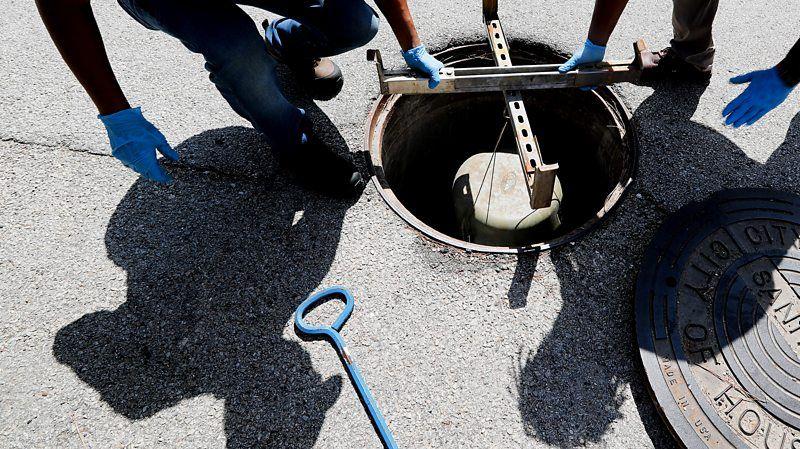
{"type": "Point", "coordinates": [236, 57]}
{"type": "Point", "coordinates": [361, 28]}
{"type": "Point", "coordinates": [368, 28]}
{"type": "Point", "coordinates": [245, 75]}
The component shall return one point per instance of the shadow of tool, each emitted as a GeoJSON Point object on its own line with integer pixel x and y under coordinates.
{"type": "Point", "coordinates": [571, 388]}
{"type": "Point", "coordinates": [216, 265]}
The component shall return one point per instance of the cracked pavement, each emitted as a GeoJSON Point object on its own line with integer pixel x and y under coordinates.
{"type": "Point", "coordinates": [136, 315]}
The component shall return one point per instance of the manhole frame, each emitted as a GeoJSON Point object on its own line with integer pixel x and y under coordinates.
{"type": "Point", "coordinates": [382, 111]}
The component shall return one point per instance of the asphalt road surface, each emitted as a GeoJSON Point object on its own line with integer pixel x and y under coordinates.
{"type": "Point", "coordinates": [135, 315]}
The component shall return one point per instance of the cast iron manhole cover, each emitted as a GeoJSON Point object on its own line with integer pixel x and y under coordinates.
{"type": "Point", "coordinates": [718, 320]}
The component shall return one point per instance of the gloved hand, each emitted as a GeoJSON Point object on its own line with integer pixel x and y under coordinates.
{"type": "Point", "coordinates": [588, 54]}
{"type": "Point", "coordinates": [765, 92]}
{"type": "Point", "coordinates": [134, 141]}
{"type": "Point", "coordinates": [420, 60]}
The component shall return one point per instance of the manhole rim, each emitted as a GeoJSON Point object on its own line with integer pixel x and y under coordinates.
{"type": "Point", "coordinates": [383, 109]}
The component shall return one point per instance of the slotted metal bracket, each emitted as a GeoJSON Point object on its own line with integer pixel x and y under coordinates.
{"type": "Point", "coordinates": [539, 177]}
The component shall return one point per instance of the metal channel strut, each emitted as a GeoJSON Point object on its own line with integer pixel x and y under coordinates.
{"type": "Point", "coordinates": [539, 177]}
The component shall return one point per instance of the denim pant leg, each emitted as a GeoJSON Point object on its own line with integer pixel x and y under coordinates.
{"type": "Point", "coordinates": [317, 28]}
{"type": "Point", "coordinates": [236, 57]}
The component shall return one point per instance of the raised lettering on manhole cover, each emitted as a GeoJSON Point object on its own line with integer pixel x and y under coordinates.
{"type": "Point", "coordinates": [718, 321]}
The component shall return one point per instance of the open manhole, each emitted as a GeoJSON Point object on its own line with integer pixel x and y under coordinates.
{"type": "Point", "coordinates": [718, 321]}
{"type": "Point", "coordinates": [418, 144]}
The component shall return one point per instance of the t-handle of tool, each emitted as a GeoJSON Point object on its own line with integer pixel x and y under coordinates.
{"type": "Point", "coordinates": [331, 331]}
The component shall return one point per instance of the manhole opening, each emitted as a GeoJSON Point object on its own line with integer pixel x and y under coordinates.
{"type": "Point", "coordinates": [417, 145]}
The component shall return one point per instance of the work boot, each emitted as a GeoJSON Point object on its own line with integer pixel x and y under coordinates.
{"type": "Point", "coordinates": [670, 65]}
{"type": "Point", "coordinates": [321, 78]}
{"type": "Point", "coordinates": [316, 165]}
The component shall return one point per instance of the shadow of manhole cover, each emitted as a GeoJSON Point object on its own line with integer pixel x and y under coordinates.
{"type": "Point", "coordinates": [718, 321]}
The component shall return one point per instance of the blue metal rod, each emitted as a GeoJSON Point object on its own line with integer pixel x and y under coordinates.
{"type": "Point", "coordinates": [364, 394]}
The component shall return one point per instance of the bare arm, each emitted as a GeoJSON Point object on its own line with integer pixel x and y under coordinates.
{"type": "Point", "coordinates": [399, 18]}
{"type": "Point", "coordinates": [73, 28]}
{"type": "Point", "coordinates": [604, 20]}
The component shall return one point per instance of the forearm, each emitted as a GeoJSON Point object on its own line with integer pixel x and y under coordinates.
{"type": "Point", "coordinates": [399, 18]}
{"type": "Point", "coordinates": [789, 68]}
{"type": "Point", "coordinates": [604, 20]}
{"type": "Point", "coordinates": [73, 28]}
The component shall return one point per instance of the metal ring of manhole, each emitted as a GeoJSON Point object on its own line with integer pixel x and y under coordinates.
{"type": "Point", "coordinates": [718, 320]}
{"type": "Point", "coordinates": [417, 143]}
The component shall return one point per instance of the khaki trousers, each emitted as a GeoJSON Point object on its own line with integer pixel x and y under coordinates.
{"type": "Point", "coordinates": [691, 24]}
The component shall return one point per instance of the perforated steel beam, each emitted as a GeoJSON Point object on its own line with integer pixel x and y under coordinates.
{"type": "Point", "coordinates": [539, 177]}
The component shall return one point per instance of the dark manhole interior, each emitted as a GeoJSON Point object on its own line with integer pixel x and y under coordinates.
{"type": "Point", "coordinates": [418, 143]}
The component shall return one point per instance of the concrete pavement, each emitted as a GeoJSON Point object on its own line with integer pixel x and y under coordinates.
{"type": "Point", "coordinates": [136, 315]}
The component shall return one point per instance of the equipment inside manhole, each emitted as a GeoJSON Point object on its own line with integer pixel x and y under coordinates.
{"type": "Point", "coordinates": [426, 151]}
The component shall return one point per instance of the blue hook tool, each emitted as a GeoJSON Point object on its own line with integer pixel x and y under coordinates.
{"type": "Point", "coordinates": [332, 333]}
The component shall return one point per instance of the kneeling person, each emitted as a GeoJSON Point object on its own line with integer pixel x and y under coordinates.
{"type": "Point", "coordinates": [242, 64]}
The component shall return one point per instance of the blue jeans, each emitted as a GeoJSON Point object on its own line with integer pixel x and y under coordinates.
{"type": "Point", "coordinates": [236, 55]}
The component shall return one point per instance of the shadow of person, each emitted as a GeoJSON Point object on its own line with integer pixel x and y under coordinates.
{"type": "Point", "coordinates": [216, 264]}
{"type": "Point", "coordinates": [571, 389]}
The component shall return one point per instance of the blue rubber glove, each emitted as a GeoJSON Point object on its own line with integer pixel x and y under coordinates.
{"type": "Point", "coordinates": [588, 54]}
{"type": "Point", "coordinates": [765, 92]}
{"type": "Point", "coordinates": [134, 141]}
{"type": "Point", "coordinates": [420, 60]}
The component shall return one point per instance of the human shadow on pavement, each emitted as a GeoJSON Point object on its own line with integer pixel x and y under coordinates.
{"type": "Point", "coordinates": [571, 388]}
{"type": "Point", "coordinates": [216, 264]}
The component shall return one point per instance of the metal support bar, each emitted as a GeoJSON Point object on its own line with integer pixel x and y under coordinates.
{"type": "Point", "coordinates": [523, 77]}
{"type": "Point", "coordinates": [539, 177]}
